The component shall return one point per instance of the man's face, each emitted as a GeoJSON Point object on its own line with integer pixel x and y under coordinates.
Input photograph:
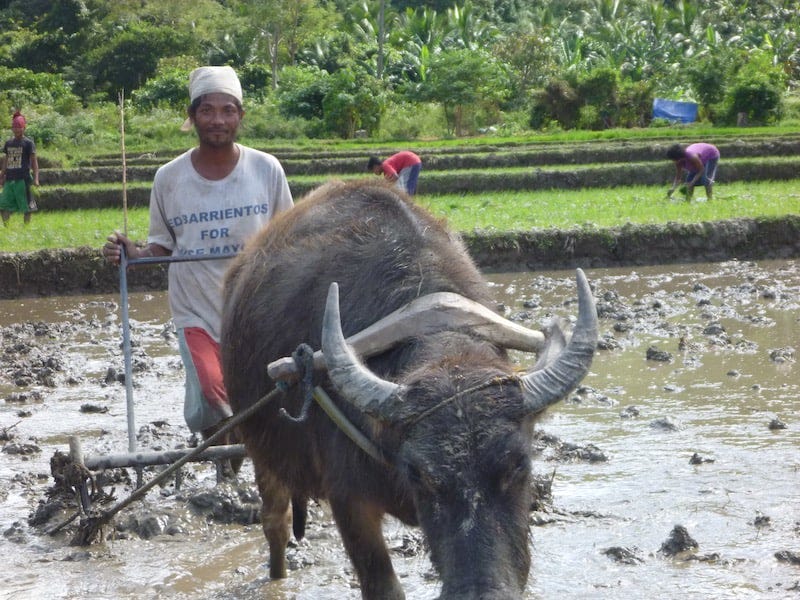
{"type": "Point", "coordinates": [18, 131]}
{"type": "Point", "coordinates": [217, 119]}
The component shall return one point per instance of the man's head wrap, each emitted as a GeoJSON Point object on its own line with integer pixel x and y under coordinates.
{"type": "Point", "coordinates": [18, 120]}
{"type": "Point", "coordinates": [212, 80]}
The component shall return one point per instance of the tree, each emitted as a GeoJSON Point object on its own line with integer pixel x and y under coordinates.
{"type": "Point", "coordinates": [530, 59]}
{"type": "Point", "coordinates": [756, 90]}
{"type": "Point", "coordinates": [461, 79]}
{"type": "Point", "coordinates": [302, 91]}
{"type": "Point", "coordinates": [131, 56]}
{"type": "Point", "coordinates": [355, 101]}
{"type": "Point", "coordinates": [283, 27]}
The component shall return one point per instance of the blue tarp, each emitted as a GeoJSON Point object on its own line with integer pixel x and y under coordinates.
{"type": "Point", "coordinates": [683, 112]}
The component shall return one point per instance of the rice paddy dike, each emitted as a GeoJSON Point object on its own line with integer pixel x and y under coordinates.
{"type": "Point", "coordinates": [97, 183]}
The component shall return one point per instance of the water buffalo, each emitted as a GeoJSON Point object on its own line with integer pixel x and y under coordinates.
{"type": "Point", "coordinates": [449, 414]}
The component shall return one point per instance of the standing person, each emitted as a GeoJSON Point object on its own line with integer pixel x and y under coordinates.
{"type": "Point", "coordinates": [15, 172]}
{"type": "Point", "coordinates": [699, 161]}
{"type": "Point", "coordinates": [207, 202]}
{"type": "Point", "coordinates": [403, 167]}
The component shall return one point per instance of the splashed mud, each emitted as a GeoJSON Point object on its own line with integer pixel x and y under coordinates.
{"type": "Point", "coordinates": [672, 431]}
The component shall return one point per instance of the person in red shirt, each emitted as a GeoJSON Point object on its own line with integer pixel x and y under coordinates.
{"type": "Point", "coordinates": [403, 167]}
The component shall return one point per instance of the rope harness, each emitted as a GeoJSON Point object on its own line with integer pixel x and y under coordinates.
{"type": "Point", "coordinates": [498, 380]}
{"type": "Point", "coordinates": [303, 358]}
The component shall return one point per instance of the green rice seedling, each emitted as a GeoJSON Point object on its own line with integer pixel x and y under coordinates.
{"type": "Point", "coordinates": [500, 211]}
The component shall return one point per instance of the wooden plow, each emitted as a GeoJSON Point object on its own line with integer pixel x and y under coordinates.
{"type": "Point", "coordinates": [78, 472]}
{"type": "Point", "coordinates": [426, 314]}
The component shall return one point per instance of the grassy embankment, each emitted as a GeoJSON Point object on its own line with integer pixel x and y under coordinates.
{"type": "Point", "coordinates": [499, 210]}
{"type": "Point", "coordinates": [506, 211]}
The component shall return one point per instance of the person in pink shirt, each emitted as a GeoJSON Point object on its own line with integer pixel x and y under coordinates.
{"type": "Point", "coordinates": [403, 167]}
{"type": "Point", "coordinates": [699, 161]}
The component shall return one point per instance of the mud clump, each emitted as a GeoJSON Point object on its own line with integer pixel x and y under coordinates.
{"type": "Point", "coordinates": [678, 542]}
{"type": "Point", "coordinates": [624, 556]}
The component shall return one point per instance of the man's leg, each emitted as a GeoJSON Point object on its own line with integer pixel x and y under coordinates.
{"type": "Point", "coordinates": [412, 178]}
{"type": "Point", "coordinates": [206, 406]}
{"type": "Point", "coordinates": [710, 176]}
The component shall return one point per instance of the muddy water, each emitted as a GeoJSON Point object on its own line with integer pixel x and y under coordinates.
{"type": "Point", "coordinates": [722, 385]}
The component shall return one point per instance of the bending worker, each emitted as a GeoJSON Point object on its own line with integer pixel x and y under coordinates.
{"type": "Point", "coordinates": [403, 167]}
{"type": "Point", "coordinates": [699, 161]}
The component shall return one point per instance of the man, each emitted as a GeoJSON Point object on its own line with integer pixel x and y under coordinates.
{"type": "Point", "coordinates": [207, 202]}
{"type": "Point", "coordinates": [700, 163]}
{"type": "Point", "coordinates": [403, 167]}
{"type": "Point", "coordinates": [15, 172]}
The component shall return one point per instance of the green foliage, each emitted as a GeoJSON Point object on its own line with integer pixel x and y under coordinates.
{"type": "Point", "coordinates": [264, 121]}
{"type": "Point", "coordinates": [589, 117]}
{"type": "Point", "coordinates": [559, 102]}
{"type": "Point", "coordinates": [168, 88]}
{"type": "Point", "coordinates": [156, 127]}
{"type": "Point", "coordinates": [302, 90]}
{"type": "Point", "coordinates": [707, 76]}
{"type": "Point", "coordinates": [464, 79]}
{"type": "Point", "coordinates": [756, 91]}
{"type": "Point", "coordinates": [58, 34]}
{"type": "Point", "coordinates": [553, 59]}
{"type": "Point", "coordinates": [256, 79]}
{"type": "Point", "coordinates": [410, 121]}
{"type": "Point", "coordinates": [131, 56]}
{"type": "Point", "coordinates": [355, 101]}
{"type": "Point", "coordinates": [23, 88]}
{"type": "Point", "coordinates": [531, 58]}
{"type": "Point", "coordinates": [44, 52]}
{"type": "Point", "coordinates": [791, 106]}
{"type": "Point", "coordinates": [635, 103]}
{"type": "Point", "coordinates": [595, 99]}
{"type": "Point", "coordinates": [597, 90]}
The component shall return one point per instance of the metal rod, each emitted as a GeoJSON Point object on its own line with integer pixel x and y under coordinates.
{"type": "Point", "coordinates": [126, 346]}
{"type": "Point", "coordinates": [145, 459]}
{"type": "Point", "coordinates": [124, 263]}
{"type": "Point", "coordinates": [153, 260]}
{"type": "Point", "coordinates": [141, 490]}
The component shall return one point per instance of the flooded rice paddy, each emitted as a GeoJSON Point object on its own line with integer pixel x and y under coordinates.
{"type": "Point", "coordinates": [689, 418]}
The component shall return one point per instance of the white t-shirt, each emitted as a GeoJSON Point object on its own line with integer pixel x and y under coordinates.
{"type": "Point", "coordinates": [191, 215]}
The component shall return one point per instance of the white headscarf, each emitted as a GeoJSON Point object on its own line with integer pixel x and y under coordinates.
{"type": "Point", "coordinates": [212, 80]}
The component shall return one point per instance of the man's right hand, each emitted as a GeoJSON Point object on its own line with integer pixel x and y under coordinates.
{"type": "Point", "coordinates": [112, 252]}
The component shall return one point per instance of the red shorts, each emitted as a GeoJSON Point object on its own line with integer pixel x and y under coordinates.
{"type": "Point", "coordinates": [206, 399]}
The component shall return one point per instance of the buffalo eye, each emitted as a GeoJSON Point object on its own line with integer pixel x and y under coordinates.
{"type": "Point", "coordinates": [514, 473]}
{"type": "Point", "coordinates": [416, 476]}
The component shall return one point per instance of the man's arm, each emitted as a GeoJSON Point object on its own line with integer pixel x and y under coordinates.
{"type": "Point", "coordinates": [676, 181]}
{"type": "Point", "coordinates": [35, 167]}
{"type": "Point", "coordinates": [112, 249]}
{"type": "Point", "coordinates": [697, 166]}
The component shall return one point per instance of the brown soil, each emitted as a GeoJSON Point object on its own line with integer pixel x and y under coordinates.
{"type": "Point", "coordinates": [82, 270]}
